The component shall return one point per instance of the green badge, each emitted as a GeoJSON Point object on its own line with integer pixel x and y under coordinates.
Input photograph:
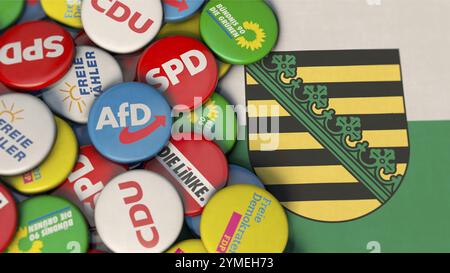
{"type": "Point", "coordinates": [10, 11]}
{"type": "Point", "coordinates": [50, 224]}
{"type": "Point", "coordinates": [216, 120]}
{"type": "Point", "coordinates": [239, 32]}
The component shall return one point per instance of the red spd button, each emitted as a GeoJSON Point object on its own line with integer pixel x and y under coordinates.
{"type": "Point", "coordinates": [35, 55]}
{"type": "Point", "coordinates": [181, 67]}
{"type": "Point", "coordinates": [8, 217]}
{"type": "Point", "coordinates": [90, 175]}
{"type": "Point", "coordinates": [195, 166]}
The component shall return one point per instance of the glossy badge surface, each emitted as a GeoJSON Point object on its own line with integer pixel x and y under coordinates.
{"type": "Point", "coordinates": [10, 11]}
{"type": "Point", "coordinates": [130, 122]}
{"type": "Point", "coordinates": [8, 217]}
{"type": "Point", "coordinates": [67, 12]}
{"type": "Point", "coordinates": [179, 10]}
{"type": "Point", "coordinates": [27, 133]}
{"type": "Point", "coordinates": [139, 211]}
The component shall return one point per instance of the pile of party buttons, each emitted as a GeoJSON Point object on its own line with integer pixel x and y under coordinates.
{"type": "Point", "coordinates": [112, 135]}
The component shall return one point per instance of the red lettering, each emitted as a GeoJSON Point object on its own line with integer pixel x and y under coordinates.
{"type": "Point", "coordinates": [143, 28]}
{"type": "Point", "coordinates": [114, 8]}
{"type": "Point", "coordinates": [135, 198]}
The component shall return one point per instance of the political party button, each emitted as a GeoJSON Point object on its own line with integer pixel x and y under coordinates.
{"type": "Point", "coordinates": [42, 47]}
{"type": "Point", "coordinates": [215, 119]}
{"type": "Point", "coordinates": [188, 246]}
{"type": "Point", "coordinates": [82, 134]}
{"type": "Point", "coordinates": [87, 180]}
{"type": "Point", "coordinates": [33, 11]}
{"type": "Point", "coordinates": [239, 32]}
{"type": "Point", "coordinates": [27, 133]}
{"type": "Point", "coordinates": [243, 219]}
{"type": "Point", "coordinates": [139, 211]}
{"type": "Point", "coordinates": [193, 223]}
{"type": "Point", "coordinates": [67, 12]}
{"type": "Point", "coordinates": [92, 72]}
{"type": "Point", "coordinates": [10, 11]}
{"type": "Point", "coordinates": [240, 175]}
{"type": "Point", "coordinates": [178, 10]}
{"type": "Point", "coordinates": [195, 166]}
{"type": "Point", "coordinates": [130, 122]}
{"type": "Point", "coordinates": [54, 169]}
{"type": "Point", "coordinates": [122, 26]}
{"type": "Point", "coordinates": [182, 68]}
{"type": "Point", "coordinates": [8, 217]}
{"type": "Point", "coordinates": [49, 224]}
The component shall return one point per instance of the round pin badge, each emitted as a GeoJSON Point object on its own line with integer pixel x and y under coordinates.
{"type": "Point", "coordinates": [188, 246]}
{"type": "Point", "coordinates": [134, 23]}
{"type": "Point", "coordinates": [139, 211]}
{"type": "Point", "coordinates": [49, 224]}
{"type": "Point", "coordinates": [67, 12]}
{"type": "Point", "coordinates": [175, 10]}
{"type": "Point", "coordinates": [191, 28]}
{"type": "Point", "coordinates": [33, 11]}
{"type": "Point", "coordinates": [54, 169]}
{"type": "Point", "coordinates": [8, 217]}
{"type": "Point", "coordinates": [216, 120]}
{"type": "Point", "coordinates": [243, 219]}
{"type": "Point", "coordinates": [92, 72]}
{"type": "Point", "coordinates": [42, 47]}
{"type": "Point", "coordinates": [182, 68]}
{"type": "Point", "coordinates": [10, 11]}
{"type": "Point", "coordinates": [239, 32]}
{"type": "Point", "coordinates": [130, 122]}
{"type": "Point", "coordinates": [88, 178]}
{"type": "Point", "coordinates": [195, 166]}
{"type": "Point", "coordinates": [27, 133]}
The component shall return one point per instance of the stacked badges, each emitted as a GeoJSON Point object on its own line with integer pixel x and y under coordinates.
{"type": "Point", "coordinates": [242, 219]}
{"type": "Point", "coordinates": [87, 180]}
{"type": "Point", "coordinates": [27, 133]}
{"type": "Point", "coordinates": [67, 12]}
{"type": "Point", "coordinates": [139, 211]}
{"type": "Point", "coordinates": [49, 224]}
{"type": "Point", "coordinates": [128, 117]}
{"type": "Point", "coordinates": [8, 217]}
{"type": "Point", "coordinates": [175, 10]}
{"type": "Point", "coordinates": [54, 169]}
{"type": "Point", "coordinates": [122, 26]}
{"type": "Point", "coordinates": [92, 72]}
{"type": "Point", "coordinates": [181, 67]}
{"type": "Point", "coordinates": [44, 48]}
{"type": "Point", "coordinates": [186, 162]}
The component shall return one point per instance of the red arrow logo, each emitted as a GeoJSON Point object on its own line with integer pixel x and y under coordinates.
{"type": "Point", "coordinates": [181, 5]}
{"type": "Point", "coordinates": [127, 137]}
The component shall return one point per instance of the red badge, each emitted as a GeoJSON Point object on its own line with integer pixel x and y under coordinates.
{"type": "Point", "coordinates": [8, 218]}
{"type": "Point", "coordinates": [35, 55]}
{"type": "Point", "coordinates": [182, 68]}
{"type": "Point", "coordinates": [91, 173]}
{"type": "Point", "coordinates": [195, 166]}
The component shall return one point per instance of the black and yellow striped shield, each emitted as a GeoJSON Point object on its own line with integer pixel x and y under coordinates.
{"type": "Point", "coordinates": [327, 130]}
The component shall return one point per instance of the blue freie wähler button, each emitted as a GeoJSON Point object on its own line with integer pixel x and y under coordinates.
{"type": "Point", "coordinates": [178, 10]}
{"type": "Point", "coordinates": [130, 122]}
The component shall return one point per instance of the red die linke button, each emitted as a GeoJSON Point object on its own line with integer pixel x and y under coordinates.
{"type": "Point", "coordinates": [181, 67]}
{"type": "Point", "coordinates": [195, 166]}
{"type": "Point", "coordinates": [87, 180]}
{"type": "Point", "coordinates": [35, 55]}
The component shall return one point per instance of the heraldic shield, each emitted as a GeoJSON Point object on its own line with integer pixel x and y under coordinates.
{"type": "Point", "coordinates": [327, 130]}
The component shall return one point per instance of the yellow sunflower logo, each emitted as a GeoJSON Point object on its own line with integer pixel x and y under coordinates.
{"type": "Point", "coordinates": [73, 98]}
{"type": "Point", "coordinates": [259, 39]}
{"type": "Point", "coordinates": [10, 111]}
{"type": "Point", "coordinates": [212, 110]}
{"type": "Point", "coordinates": [15, 246]}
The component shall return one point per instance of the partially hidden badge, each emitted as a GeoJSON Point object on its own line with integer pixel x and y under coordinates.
{"type": "Point", "coordinates": [67, 12]}
{"type": "Point", "coordinates": [176, 10]}
{"type": "Point", "coordinates": [188, 246]}
{"type": "Point", "coordinates": [27, 133]}
{"type": "Point", "coordinates": [8, 217]}
{"type": "Point", "coordinates": [130, 122]}
{"type": "Point", "coordinates": [196, 167]}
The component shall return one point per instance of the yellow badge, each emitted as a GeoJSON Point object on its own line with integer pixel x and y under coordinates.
{"type": "Point", "coordinates": [242, 219]}
{"type": "Point", "coordinates": [188, 246]}
{"type": "Point", "coordinates": [56, 167]}
{"type": "Point", "coordinates": [66, 12]}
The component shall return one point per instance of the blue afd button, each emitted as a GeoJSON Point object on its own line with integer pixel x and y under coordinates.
{"type": "Point", "coordinates": [130, 122]}
{"type": "Point", "coordinates": [178, 10]}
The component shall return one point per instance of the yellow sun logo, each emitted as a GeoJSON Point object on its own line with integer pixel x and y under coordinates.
{"type": "Point", "coordinates": [14, 247]}
{"type": "Point", "coordinates": [10, 112]}
{"type": "Point", "coordinates": [73, 98]}
{"type": "Point", "coordinates": [259, 39]}
{"type": "Point", "coordinates": [212, 110]}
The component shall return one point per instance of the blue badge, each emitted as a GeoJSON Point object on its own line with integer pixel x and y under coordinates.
{"type": "Point", "coordinates": [240, 175]}
{"type": "Point", "coordinates": [178, 10]}
{"type": "Point", "coordinates": [130, 122]}
{"type": "Point", "coordinates": [193, 222]}
{"type": "Point", "coordinates": [82, 134]}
